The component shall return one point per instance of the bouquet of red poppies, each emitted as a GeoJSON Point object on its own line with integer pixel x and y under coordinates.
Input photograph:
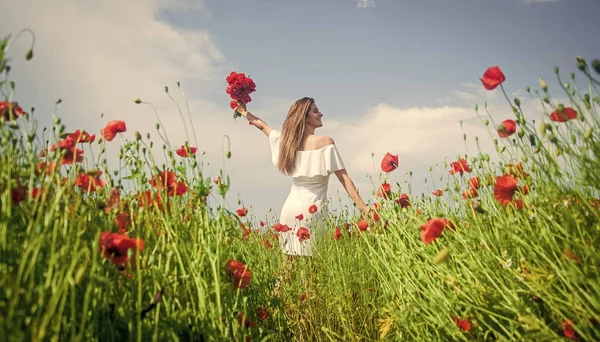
{"type": "Point", "coordinates": [239, 88]}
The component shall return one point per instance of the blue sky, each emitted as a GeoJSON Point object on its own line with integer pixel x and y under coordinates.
{"type": "Point", "coordinates": [396, 77]}
{"type": "Point", "coordinates": [404, 53]}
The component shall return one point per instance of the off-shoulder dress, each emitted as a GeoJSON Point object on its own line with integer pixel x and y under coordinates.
{"type": "Point", "coordinates": [309, 186]}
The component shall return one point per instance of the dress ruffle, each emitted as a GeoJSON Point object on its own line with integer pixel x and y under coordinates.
{"type": "Point", "coordinates": [321, 162]}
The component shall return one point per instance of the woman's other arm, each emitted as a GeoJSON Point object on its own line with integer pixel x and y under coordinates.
{"type": "Point", "coordinates": [254, 120]}
{"type": "Point", "coordinates": [348, 184]}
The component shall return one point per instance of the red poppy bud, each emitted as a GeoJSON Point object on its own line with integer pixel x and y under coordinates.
{"type": "Point", "coordinates": [507, 128]}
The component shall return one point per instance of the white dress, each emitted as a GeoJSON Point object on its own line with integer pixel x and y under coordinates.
{"type": "Point", "coordinates": [309, 186]}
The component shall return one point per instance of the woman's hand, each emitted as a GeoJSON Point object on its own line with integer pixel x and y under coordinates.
{"type": "Point", "coordinates": [367, 212]}
{"type": "Point", "coordinates": [241, 108]}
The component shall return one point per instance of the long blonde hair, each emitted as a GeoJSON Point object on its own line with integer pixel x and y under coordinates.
{"type": "Point", "coordinates": [292, 133]}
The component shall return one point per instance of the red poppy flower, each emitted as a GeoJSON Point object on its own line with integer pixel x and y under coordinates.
{"type": "Point", "coordinates": [239, 88]}
{"type": "Point", "coordinates": [516, 170]}
{"type": "Point", "coordinates": [45, 167]}
{"type": "Point", "coordinates": [186, 152]}
{"type": "Point", "coordinates": [281, 228]}
{"type": "Point", "coordinates": [89, 183]}
{"type": "Point", "coordinates": [244, 321]}
{"type": "Point", "coordinates": [115, 246]}
{"type": "Point", "coordinates": [438, 192]}
{"type": "Point", "coordinates": [303, 297]}
{"type": "Point", "coordinates": [474, 183]}
{"type": "Point", "coordinates": [300, 217]}
{"type": "Point", "coordinates": [113, 199]}
{"type": "Point", "coordinates": [507, 128]}
{"type": "Point", "coordinates": [68, 147]}
{"type": "Point", "coordinates": [471, 193]}
{"type": "Point", "coordinates": [82, 137]}
{"type": "Point", "coordinates": [563, 114]}
{"type": "Point", "coordinates": [112, 128]}
{"type": "Point", "coordinates": [261, 313]}
{"type": "Point", "coordinates": [179, 189]}
{"type": "Point", "coordinates": [37, 193]}
{"type": "Point", "coordinates": [434, 228]}
{"type": "Point", "coordinates": [72, 155]}
{"type": "Point", "coordinates": [492, 78]}
{"type": "Point", "coordinates": [303, 234]}
{"type": "Point", "coordinates": [18, 194]}
{"type": "Point", "coordinates": [148, 198]}
{"type": "Point", "coordinates": [165, 179]}
{"type": "Point", "coordinates": [375, 217]}
{"type": "Point", "coordinates": [460, 166]}
{"type": "Point", "coordinates": [568, 330]}
{"type": "Point", "coordinates": [233, 104]}
{"type": "Point", "coordinates": [240, 273]}
{"type": "Point", "coordinates": [403, 201]}
{"type": "Point", "coordinates": [242, 212]}
{"type": "Point", "coordinates": [518, 204]}
{"type": "Point", "coordinates": [268, 244]}
{"type": "Point", "coordinates": [362, 225]}
{"type": "Point", "coordinates": [505, 188]}
{"type": "Point", "coordinates": [6, 108]}
{"type": "Point", "coordinates": [261, 223]}
{"type": "Point", "coordinates": [384, 190]}
{"type": "Point", "coordinates": [389, 162]}
{"type": "Point", "coordinates": [123, 221]}
{"type": "Point", "coordinates": [337, 234]}
{"type": "Point", "coordinates": [463, 324]}
{"type": "Point", "coordinates": [247, 232]}
{"type": "Point", "coordinates": [312, 209]}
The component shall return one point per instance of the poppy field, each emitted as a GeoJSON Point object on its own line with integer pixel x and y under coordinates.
{"type": "Point", "coordinates": [506, 250]}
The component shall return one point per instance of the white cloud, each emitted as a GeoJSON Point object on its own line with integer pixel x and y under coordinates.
{"type": "Point", "coordinates": [473, 92]}
{"type": "Point", "coordinates": [365, 3]}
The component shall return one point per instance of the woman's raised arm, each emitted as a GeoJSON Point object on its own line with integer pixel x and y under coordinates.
{"type": "Point", "coordinates": [253, 119]}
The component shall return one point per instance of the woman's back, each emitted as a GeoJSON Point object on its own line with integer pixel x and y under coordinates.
{"type": "Point", "coordinates": [308, 192]}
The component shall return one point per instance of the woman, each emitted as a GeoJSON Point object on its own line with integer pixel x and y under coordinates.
{"type": "Point", "coordinates": [310, 160]}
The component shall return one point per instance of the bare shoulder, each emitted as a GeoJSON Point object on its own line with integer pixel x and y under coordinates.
{"type": "Point", "coordinates": [323, 141]}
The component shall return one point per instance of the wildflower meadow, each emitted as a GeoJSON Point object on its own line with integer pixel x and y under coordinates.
{"type": "Point", "coordinates": [505, 250]}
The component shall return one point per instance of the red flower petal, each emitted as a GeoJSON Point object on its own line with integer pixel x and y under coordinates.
{"type": "Point", "coordinates": [112, 128]}
{"type": "Point", "coordinates": [432, 230]}
{"type": "Point", "coordinates": [569, 331]}
{"type": "Point", "coordinates": [492, 78]}
{"type": "Point", "coordinates": [505, 188]}
{"type": "Point", "coordinates": [564, 115]}
{"type": "Point", "coordinates": [507, 128]}
{"type": "Point", "coordinates": [463, 324]}
{"type": "Point", "coordinates": [362, 225]}
{"type": "Point", "coordinates": [303, 234]}
{"type": "Point", "coordinates": [389, 162]}
{"type": "Point", "coordinates": [460, 166]}
{"type": "Point", "coordinates": [384, 190]}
